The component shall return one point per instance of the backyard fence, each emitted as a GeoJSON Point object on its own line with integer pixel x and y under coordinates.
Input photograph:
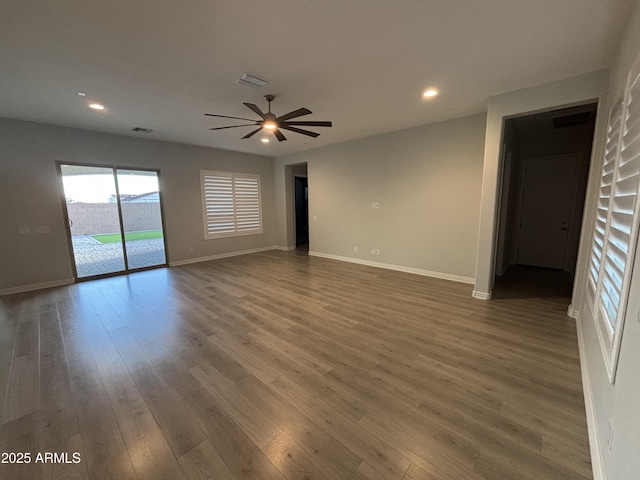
{"type": "Point", "coordinates": [99, 218]}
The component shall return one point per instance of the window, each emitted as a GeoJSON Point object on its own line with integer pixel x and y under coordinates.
{"type": "Point", "coordinates": [231, 204]}
{"type": "Point", "coordinates": [616, 224]}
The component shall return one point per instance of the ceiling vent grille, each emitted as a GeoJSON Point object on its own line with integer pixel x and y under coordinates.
{"type": "Point", "coordinates": [248, 80]}
{"type": "Point", "coordinates": [573, 120]}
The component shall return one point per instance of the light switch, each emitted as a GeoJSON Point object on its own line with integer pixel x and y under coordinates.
{"type": "Point", "coordinates": [24, 230]}
{"type": "Point", "coordinates": [43, 229]}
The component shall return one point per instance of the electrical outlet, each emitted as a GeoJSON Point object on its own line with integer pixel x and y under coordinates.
{"type": "Point", "coordinates": [373, 251]}
{"type": "Point", "coordinates": [190, 249]}
{"type": "Point", "coordinates": [355, 249]}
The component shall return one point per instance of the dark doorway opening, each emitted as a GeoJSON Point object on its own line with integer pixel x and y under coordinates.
{"type": "Point", "coordinates": [545, 167]}
{"type": "Point", "coordinates": [301, 202]}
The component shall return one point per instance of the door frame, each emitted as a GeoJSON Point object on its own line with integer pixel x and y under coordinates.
{"type": "Point", "coordinates": [67, 226]}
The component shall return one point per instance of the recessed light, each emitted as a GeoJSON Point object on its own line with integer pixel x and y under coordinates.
{"type": "Point", "coordinates": [82, 94]}
{"type": "Point", "coordinates": [96, 106]}
{"type": "Point", "coordinates": [432, 92]}
{"type": "Point", "coordinates": [264, 140]}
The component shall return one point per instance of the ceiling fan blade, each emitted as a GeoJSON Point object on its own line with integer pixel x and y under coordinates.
{"type": "Point", "coordinates": [226, 116]}
{"type": "Point", "coordinates": [299, 130]}
{"type": "Point", "coordinates": [235, 126]}
{"type": "Point", "coordinates": [296, 113]}
{"type": "Point", "coordinates": [309, 123]}
{"type": "Point", "coordinates": [279, 135]}
{"type": "Point", "coordinates": [255, 109]}
{"type": "Point", "coordinates": [251, 134]}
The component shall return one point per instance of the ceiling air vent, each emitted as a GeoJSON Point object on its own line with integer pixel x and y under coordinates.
{"type": "Point", "coordinates": [248, 80]}
{"type": "Point", "coordinates": [573, 119]}
{"type": "Point", "coordinates": [141, 130]}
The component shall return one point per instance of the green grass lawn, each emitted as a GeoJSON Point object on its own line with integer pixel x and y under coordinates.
{"type": "Point", "coordinates": [129, 236]}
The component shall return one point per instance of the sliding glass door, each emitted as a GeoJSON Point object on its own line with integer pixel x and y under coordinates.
{"type": "Point", "coordinates": [139, 195]}
{"type": "Point", "coordinates": [114, 218]}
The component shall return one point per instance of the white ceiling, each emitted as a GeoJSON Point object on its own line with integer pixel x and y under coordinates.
{"type": "Point", "coordinates": [363, 64]}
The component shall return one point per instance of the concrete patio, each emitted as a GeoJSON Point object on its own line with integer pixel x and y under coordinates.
{"type": "Point", "coordinates": [95, 258]}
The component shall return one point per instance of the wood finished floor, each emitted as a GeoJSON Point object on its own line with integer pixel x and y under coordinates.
{"type": "Point", "coordinates": [283, 366]}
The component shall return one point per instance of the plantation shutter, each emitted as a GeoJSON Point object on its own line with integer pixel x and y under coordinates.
{"type": "Point", "coordinates": [230, 204]}
{"type": "Point", "coordinates": [604, 197]}
{"type": "Point", "coordinates": [622, 232]}
{"type": "Point", "coordinates": [616, 228]}
{"type": "Point", "coordinates": [247, 203]}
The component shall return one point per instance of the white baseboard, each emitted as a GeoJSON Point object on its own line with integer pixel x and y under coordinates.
{"type": "Point", "coordinates": [188, 261]}
{"type": "Point", "coordinates": [36, 286]}
{"type": "Point", "coordinates": [481, 295]}
{"type": "Point", "coordinates": [283, 248]}
{"type": "Point", "coordinates": [572, 312]}
{"type": "Point", "coordinates": [399, 268]}
{"type": "Point", "coordinates": [597, 464]}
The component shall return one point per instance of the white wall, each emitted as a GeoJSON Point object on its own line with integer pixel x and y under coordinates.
{"type": "Point", "coordinates": [30, 195]}
{"type": "Point", "coordinates": [618, 403]}
{"type": "Point", "coordinates": [427, 182]}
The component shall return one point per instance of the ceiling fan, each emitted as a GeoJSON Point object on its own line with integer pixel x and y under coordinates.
{"type": "Point", "coordinates": [274, 124]}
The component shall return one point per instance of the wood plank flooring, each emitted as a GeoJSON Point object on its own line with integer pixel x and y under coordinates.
{"type": "Point", "coordinates": [282, 366]}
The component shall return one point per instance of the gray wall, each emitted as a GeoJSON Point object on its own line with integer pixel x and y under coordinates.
{"type": "Point", "coordinates": [30, 194]}
{"type": "Point", "coordinates": [427, 181]}
{"type": "Point", "coordinates": [620, 402]}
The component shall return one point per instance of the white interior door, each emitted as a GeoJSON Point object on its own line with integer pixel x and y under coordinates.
{"type": "Point", "coordinates": [548, 190]}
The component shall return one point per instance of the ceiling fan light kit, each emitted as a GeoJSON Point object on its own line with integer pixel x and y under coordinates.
{"type": "Point", "coordinates": [274, 124]}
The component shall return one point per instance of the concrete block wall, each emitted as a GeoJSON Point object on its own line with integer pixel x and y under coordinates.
{"type": "Point", "coordinates": [99, 218]}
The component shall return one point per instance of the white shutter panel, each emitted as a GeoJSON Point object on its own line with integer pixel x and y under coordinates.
{"type": "Point", "coordinates": [218, 201]}
{"type": "Point", "coordinates": [614, 241]}
{"type": "Point", "coordinates": [231, 204]}
{"type": "Point", "coordinates": [604, 197]}
{"type": "Point", "coordinates": [623, 223]}
{"type": "Point", "coordinates": [247, 203]}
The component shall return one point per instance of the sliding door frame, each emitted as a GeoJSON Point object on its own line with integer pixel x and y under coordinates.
{"type": "Point", "coordinates": [67, 221]}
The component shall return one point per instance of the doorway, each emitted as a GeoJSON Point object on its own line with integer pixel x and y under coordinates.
{"type": "Point", "coordinates": [301, 204]}
{"type": "Point", "coordinates": [545, 213]}
{"type": "Point", "coordinates": [114, 219]}
{"type": "Point", "coordinates": [544, 179]}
